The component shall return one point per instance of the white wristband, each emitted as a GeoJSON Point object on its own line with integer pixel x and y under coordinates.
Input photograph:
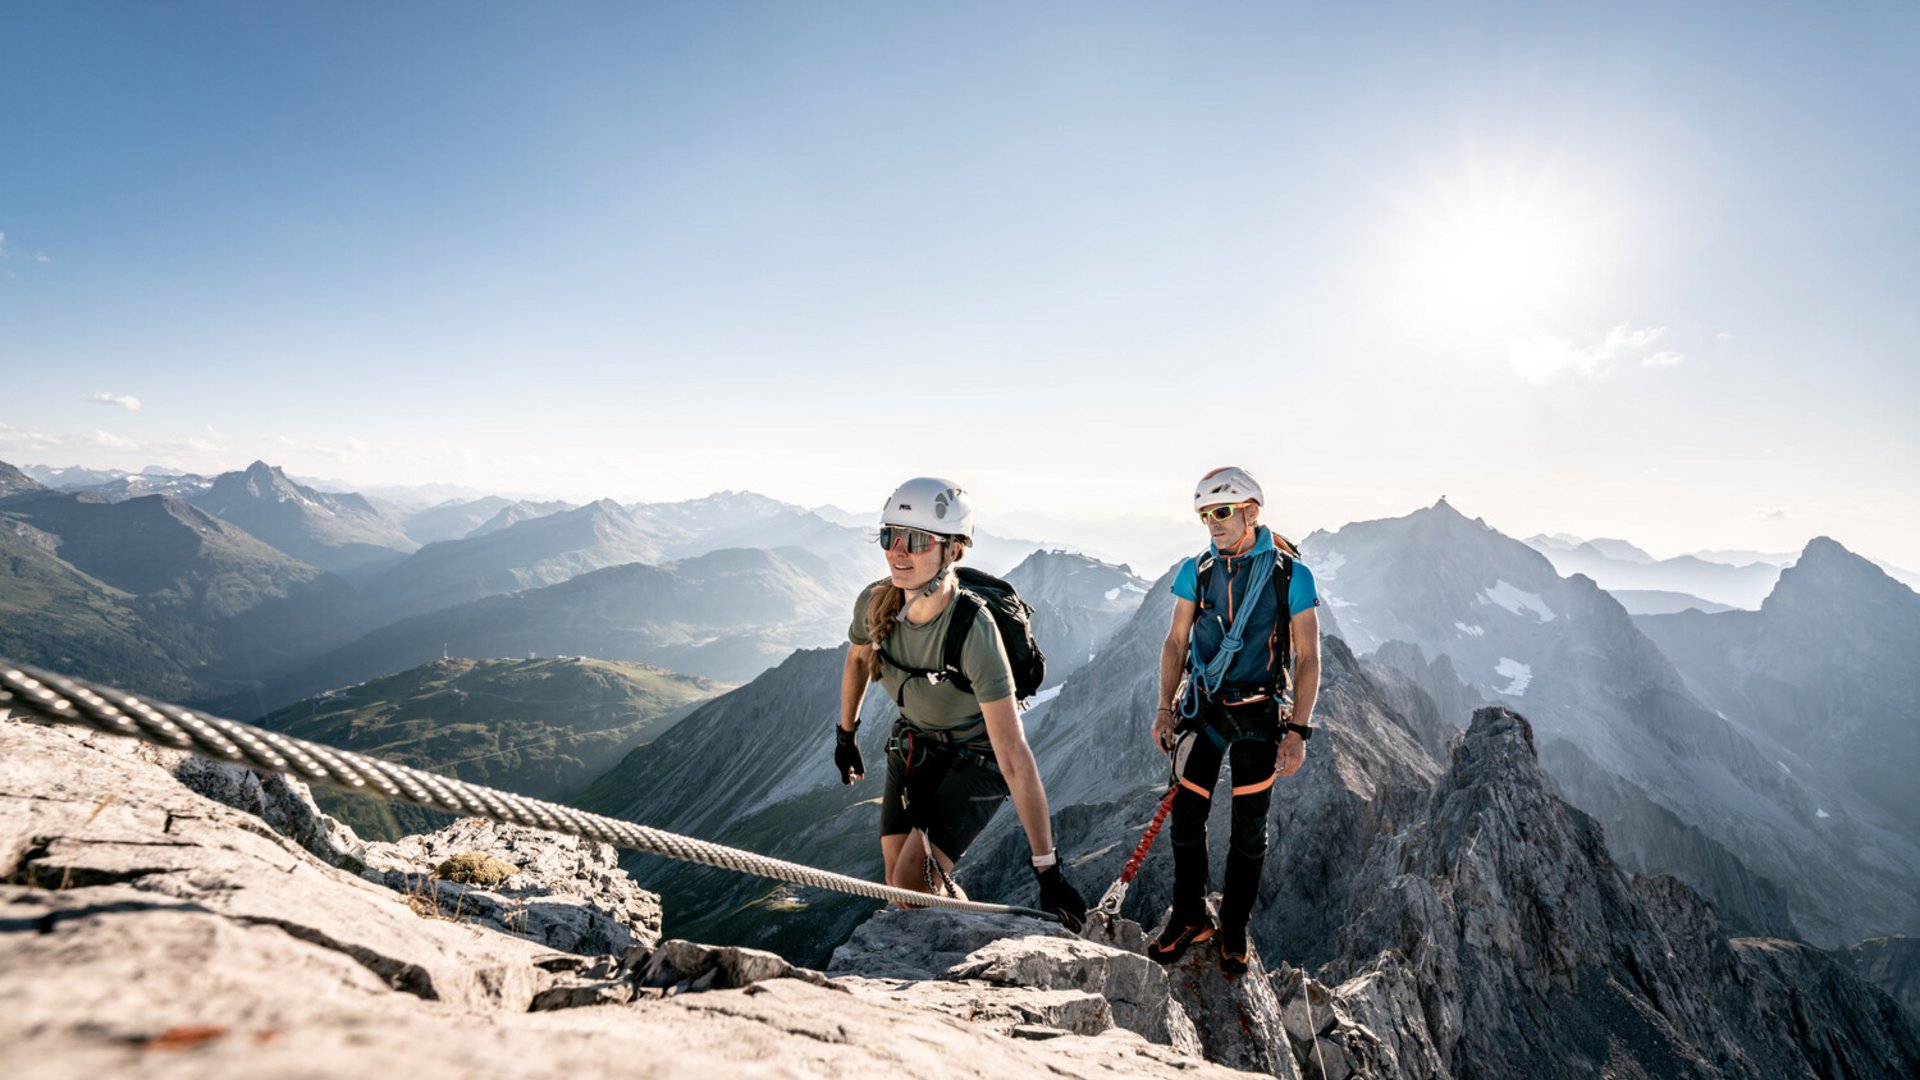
{"type": "Point", "coordinates": [1041, 862]}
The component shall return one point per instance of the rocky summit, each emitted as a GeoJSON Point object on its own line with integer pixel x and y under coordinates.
{"type": "Point", "coordinates": [166, 916]}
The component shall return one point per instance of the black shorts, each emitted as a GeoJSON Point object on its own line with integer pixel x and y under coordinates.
{"type": "Point", "coordinates": [948, 797]}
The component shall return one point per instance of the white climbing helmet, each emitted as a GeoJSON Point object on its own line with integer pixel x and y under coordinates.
{"type": "Point", "coordinates": [1228, 485]}
{"type": "Point", "coordinates": [930, 503]}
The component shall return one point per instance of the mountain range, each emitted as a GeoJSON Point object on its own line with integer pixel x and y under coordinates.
{"type": "Point", "coordinates": [1829, 668]}
{"type": "Point", "coordinates": [1686, 764]}
{"type": "Point", "coordinates": [1566, 652]}
{"type": "Point", "coordinates": [157, 585]}
{"type": "Point", "coordinates": [543, 728]}
{"type": "Point", "coordinates": [725, 615]}
{"type": "Point", "coordinates": [339, 532]}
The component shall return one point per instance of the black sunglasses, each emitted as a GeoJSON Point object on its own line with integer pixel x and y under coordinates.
{"type": "Point", "coordinates": [919, 541]}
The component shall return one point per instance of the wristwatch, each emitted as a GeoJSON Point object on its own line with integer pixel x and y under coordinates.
{"type": "Point", "coordinates": [1305, 731]}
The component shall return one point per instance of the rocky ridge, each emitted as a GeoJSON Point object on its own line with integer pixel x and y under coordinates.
{"type": "Point", "coordinates": [1484, 931]}
{"type": "Point", "coordinates": [151, 928]}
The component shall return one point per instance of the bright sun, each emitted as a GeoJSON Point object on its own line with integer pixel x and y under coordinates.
{"type": "Point", "coordinates": [1504, 251]}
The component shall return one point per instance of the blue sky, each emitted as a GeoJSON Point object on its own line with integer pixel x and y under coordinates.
{"type": "Point", "coordinates": [1644, 271]}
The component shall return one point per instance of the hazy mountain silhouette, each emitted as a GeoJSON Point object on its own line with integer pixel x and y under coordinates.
{"type": "Point", "coordinates": [1829, 666]}
{"type": "Point", "coordinates": [338, 532]}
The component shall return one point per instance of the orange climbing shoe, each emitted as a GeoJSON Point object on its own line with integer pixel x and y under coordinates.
{"type": "Point", "coordinates": [1178, 937]}
{"type": "Point", "coordinates": [1233, 954]}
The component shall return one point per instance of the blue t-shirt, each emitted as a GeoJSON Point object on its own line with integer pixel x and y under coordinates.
{"type": "Point", "coordinates": [1258, 660]}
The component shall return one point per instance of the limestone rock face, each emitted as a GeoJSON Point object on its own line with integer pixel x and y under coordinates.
{"type": "Point", "coordinates": [1238, 1020]}
{"type": "Point", "coordinates": [148, 930]}
{"type": "Point", "coordinates": [570, 894]}
{"type": "Point", "coordinates": [1135, 988]}
{"type": "Point", "coordinates": [1532, 953]}
{"type": "Point", "coordinates": [283, 802]}
{"type": "Point", "coordinates": [896, 944]}
{"type": "Point", "coordinates": [1893, 965]}
{"type": "Point", "coordinates": [1020, 969]}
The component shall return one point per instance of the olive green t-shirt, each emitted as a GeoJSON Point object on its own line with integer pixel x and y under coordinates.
{"type": "Point", "coordinates": [938, 706]}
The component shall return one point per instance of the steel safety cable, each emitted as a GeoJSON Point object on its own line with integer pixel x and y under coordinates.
{"type": "Point", "coordinates": [67, 700]}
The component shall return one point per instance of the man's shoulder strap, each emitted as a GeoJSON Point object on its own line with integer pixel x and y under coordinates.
{"type": "Point", "coordinates": [1202, 573]}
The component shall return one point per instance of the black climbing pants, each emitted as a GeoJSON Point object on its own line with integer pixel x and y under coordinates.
{"type": "Point", "coordinates": [1246, 737]}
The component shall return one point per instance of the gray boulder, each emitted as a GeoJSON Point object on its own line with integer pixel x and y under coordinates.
{"type": "Point", "coordinates": [1135, 988]}
{"type": "Point", "coordinates": [569, 894]}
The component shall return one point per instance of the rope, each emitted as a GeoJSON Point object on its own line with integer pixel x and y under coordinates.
{"type": "Point", "coordinates": [115, 712]}
{"type": "Point", "coordinates": [1146, 840]}
{"type": "Point", "coordinates": [1208, 676]}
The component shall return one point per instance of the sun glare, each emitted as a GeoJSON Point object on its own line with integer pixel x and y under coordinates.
{"type": "Point", "coordinates": [1505, 253]}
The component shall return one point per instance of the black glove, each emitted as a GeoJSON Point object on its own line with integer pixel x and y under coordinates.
{"type": "Point", "coordinates": [1061, 898]}
{"type": "Point", "coordinates": [846, 756]}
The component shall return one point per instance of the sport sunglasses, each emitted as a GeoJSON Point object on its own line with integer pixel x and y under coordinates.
{"type": "Point", "coordinates": [1219, 513]}
{"type": "Point", "coordinates": [919, 541]}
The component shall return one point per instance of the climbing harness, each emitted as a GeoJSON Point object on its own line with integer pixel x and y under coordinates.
{"type": "Point", "coordinates": [78, 702]}
{"type": "Point", "coordinates": [915, 747]}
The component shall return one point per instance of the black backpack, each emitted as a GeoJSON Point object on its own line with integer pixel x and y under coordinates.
{"type": "Point", "coordinates": [979, 591]}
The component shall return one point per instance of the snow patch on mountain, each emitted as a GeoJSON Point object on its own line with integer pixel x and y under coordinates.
{"type": "Point", "coordinates": [1471, 631]}
{"type": "Point", "coordinates": [1520, 674]}
{"type": "Point", "coordinates": [1517, 600]}
{"type": "Point", "coordinates": [1820, 813]}
{"type": "Point", "coordinates": [1325, 567]}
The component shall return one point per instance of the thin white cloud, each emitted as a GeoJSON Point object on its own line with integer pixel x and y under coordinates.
{"type": "Point", "coordinates": [1542, 357]}
{"type": "Point", "coordinates": [1773, 515]}
{"type": "Point", "coordinates": [215, 432]}
{"type": "Point", "coordinates": [3, 245]}
{"type": "Point", "coordinates": [1625, 337]}
{"type": "Point", "coordinates": [107, 440]}
{"type": "Point", "coordinates": [124, 401]}
{"type": "Point", "coordinates": [42, 257]}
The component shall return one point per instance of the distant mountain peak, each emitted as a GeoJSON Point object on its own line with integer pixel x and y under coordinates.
{"type": "Point", "coordinates": [1443, 515]}
{"type": "Point", "coordinates": [15, 482]}
{"type": "Point", "coordinates": [1828, 574]}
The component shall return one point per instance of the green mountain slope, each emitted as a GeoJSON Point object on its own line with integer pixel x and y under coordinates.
{"type": "Point", "coordinates": [725, 615]}
{"type": "Point", "coordinates": [543, 728]}
{"type": "Point", "coordinates": [54, 616]}
{"type": "Point", "coordinates": [221, 602]}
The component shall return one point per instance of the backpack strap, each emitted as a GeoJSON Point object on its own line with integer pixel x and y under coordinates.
{"type": "Point", "coordinates": [1202, 574]}
{"type": "Point", "coordinates": [967, 609]}
{"type": "Point", "coordinates": [1283, 616]}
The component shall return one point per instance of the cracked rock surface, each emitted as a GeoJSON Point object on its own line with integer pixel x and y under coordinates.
{"type": "Point", "coordinates": [569, 894]}
{"type": "Point", "coordinates": [146, 929]}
